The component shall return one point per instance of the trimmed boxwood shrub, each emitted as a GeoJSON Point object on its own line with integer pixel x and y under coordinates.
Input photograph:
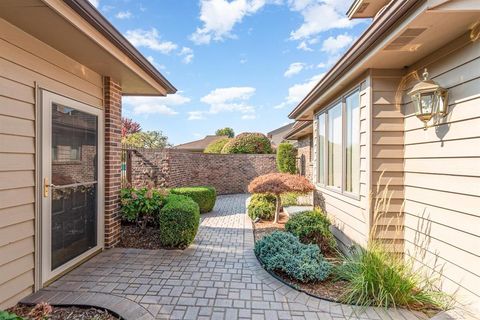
{"type": "Point", "coordinates": [216, 146]}
{"type": "Point", "coordinates": [283, 252]}
{"type": "Point", "coordinates": [178, 221]}
{"type": "Point", "coordinates": [205, 197]}
{"type": "Point", "coordinates": [251, 143]}
{"type": "Point", "coordinates": [286, 158]}
{"type": "Point", "coordinates": [261, 206]}
{"type": "Point", "coordinates": [312, 227]}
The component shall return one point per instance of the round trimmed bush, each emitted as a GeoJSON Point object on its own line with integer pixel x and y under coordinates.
{"type": "Point", "coordinates": [248, 143]}
{"type": "Point", "coordinates": [205, 197]}
{"type": "Point", "coordinates": [261, 206]}
{"type": "Point", "coordinates": [216, 146]}
{"type": "Point", "coordinates": [283, 252]}
{"type": "Point", "coordinates": [312, 227]}
{"type": "Point", "coordinates": [286, 158]}
{"type": "Point", "coordinates": [178, 221]}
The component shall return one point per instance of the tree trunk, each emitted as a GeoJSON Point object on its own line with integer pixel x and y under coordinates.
{"type": "Point", "coordinates": [277, 210]}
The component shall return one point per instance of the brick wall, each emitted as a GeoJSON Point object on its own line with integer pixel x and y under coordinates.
{"type": "Point", "coordinates": [113, 137]}
{"type": "Point", "coordinates": [176, 168]}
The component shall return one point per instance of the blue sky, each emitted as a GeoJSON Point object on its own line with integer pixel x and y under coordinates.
{"type": "Point", "coordinates": [238, 63]}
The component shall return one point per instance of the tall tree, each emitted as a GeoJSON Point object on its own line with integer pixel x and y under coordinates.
{"type": "Point", "coordinates": [147, 140]}
{"type": "Point", "coordinates": [225, 132]}
{"type": "Point", "coordinates": [130, 127]}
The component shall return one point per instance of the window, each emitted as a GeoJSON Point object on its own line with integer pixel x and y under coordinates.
{"type": "Point", "coordinates": [352, 143]}
{"type": "Point", "coordinates": [338, 137]}
{"type": "Point", "coordinates": [334, 152]}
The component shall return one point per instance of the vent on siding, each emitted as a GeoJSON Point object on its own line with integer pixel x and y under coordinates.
{"type": "Point", "coordinates": [405, 38]}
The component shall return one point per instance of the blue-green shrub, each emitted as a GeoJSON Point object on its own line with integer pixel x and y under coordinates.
{"type": "Point", "coordinates": [283, 252]}
{"type": "Point", "coordinates": [178, 221]}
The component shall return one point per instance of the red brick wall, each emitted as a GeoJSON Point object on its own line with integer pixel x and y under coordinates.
{"type": "Point", "coordinates": [176, 168]}
{"type": "Point", "coordinates": [113, 137]}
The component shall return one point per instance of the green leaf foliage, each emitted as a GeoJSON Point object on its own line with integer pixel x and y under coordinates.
{"type": "Point", "coordinates": [379, 278]}
{"type": "Point", "coordinates": [216, 146]}
{"type": "Point", "coordinates": [248, 143]}
{"type": "Point", "coordinates": [141, 204]}
{"type": "Point", "coordinates": [312, 227]}
{"type": "Point", "coordinates": [262, 206]}
{"type": "Point", "coordinates": [4, 315]}
{"type": "Point", "coordinates": [178, 221]}
{"type": "Point", "coordinates": [147, 139]}
{"type": "Point", "coordinates": [283, 252]}
{"type": "Point", "coordinates": [225, 132]}
{"type": "Point", "coordinates": [289, 199]}
{"type": "Point", "coordinates": [286, 158]}
{"type": "Point", "coordinates": [205, 197]}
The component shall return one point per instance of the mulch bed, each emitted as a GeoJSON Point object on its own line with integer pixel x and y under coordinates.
{"type": "Point", "coordinates": [328, 289]}
{"type": "Point", "coordinates": [133, 237]}
{"type": "Point", "coordinates": [63, 313]}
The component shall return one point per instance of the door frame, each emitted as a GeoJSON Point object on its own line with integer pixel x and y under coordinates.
{"type": "Point", "coordinates": [47, 98]}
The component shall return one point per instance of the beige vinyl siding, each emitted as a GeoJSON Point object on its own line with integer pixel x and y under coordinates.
{"type": "Point", "coordinates": [442, 173]}
{"type": "Point", "coordinates": [387, 155]}
{"type": "Point", "coordinates": [24, 62]}
{"type": "Point", "coordinates": [349, 215]}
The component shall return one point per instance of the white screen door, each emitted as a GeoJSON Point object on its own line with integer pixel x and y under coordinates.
{"type": "Point", "coordinates": [72, 171]}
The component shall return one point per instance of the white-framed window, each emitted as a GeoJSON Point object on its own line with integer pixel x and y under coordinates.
{"type": "Point", "coordinates": [338, 145]}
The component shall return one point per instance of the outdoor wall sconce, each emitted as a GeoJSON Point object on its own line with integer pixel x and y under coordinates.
{"type": "Point", "coordinates": [429, 99]}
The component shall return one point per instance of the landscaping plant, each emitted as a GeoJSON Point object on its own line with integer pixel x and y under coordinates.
{"type": "Point", "coordinates": [278, 184]}
{"type": "Point", "coordinates": [261, 206]}
{"type": "Point", "coordinates": [249, 143]}
{"type": "Point", "coordinates": [289, 199]}
{"type": "Point", "coordinates": [286, 158]}
{"type": "Point", "coordinates": [312, 227]}
{"type": "Point", "coordinates": [216, 146]}
{"type": "Point", "coordinates": [141, 205]}
{"type": "Point", "coordinates": [4, 315]}
{"type": "Point", "coordinates": [178, 221]}
{"type": "Point", "coordinates": [283, 252]}
{"type": "Point", "coordinates": [205, 197]}
{"type": "Point", "coordinates": [227, 131]}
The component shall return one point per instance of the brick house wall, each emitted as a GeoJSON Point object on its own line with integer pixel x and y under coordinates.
{"type": "Point", "coordinates": [177, 168]}
{"type": "Point", "coordinates": [113, 150]}
{"type": "Point", "coordinates": [304, 148]}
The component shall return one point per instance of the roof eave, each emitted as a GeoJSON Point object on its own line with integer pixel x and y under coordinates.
{"type": "Point", "coordinates": [374, 32]}
{"type": "Point", "coordinates": [88, 12]}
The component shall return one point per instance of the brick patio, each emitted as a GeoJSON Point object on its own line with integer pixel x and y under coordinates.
{"type": "Point", "coordinates": [218, 277]}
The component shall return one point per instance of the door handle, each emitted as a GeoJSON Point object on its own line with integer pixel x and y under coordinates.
{"type": "Point", "coordinates": [45, 187]}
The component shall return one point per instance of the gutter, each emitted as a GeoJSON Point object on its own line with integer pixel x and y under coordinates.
{"type": "Point", "coordinates": [375, 31]}
{"type": "Point", "coordinates": [304, 125]}
{"type": "Point", "coordinates": [88, 12]}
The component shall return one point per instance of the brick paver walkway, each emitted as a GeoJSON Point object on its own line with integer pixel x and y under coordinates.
{"type": "Point", "coordinates": [218, 277]}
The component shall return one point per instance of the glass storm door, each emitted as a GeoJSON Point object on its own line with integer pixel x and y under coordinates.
{"type": "Point", "coordinates": [72, 183]}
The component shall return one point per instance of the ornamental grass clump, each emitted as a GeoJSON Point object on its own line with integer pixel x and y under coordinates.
{"type": "Point", "coordinates": [283, 252]}
{"type": "Point", "coordinates": [278, 184]}
{"type": "Point", "coordinates": [313, 227]}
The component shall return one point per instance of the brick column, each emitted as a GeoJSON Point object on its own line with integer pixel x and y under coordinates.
{"type": "Point", "coordinates": [113, 145]}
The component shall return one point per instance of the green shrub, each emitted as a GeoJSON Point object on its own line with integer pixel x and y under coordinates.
{"type": "Point", "coordinates": [262, 206]}
{"type": "Point", "coordinates": [205, 197]}
{"type": "Point", "coordinates": [312, 227]}
{"type": "Point", "coordinates": [289, 199]}
{"type": "Point", "coordinates": [216, 146]}
{"type": "Point", "coordinates": [178, 221]}
{"type": "Point", "coordinates": [283, 252]}
{"type": "Point", "coordinates": [379, 278]}
{"type": "Point", "coordinates": [4, 315]}
{"type": "Point", "coordinates": [286, 158]}
{"type": "Point", "coordinates": [141, 205]}
{"type": "Point", "coordinates": [251, 143]}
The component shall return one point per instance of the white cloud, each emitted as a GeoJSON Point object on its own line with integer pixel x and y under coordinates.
{"type": "Point", "coordinates": [150, 39]}
{"type": "Point", "coordinates": [220, 16]}
{"type": "Point", "coordinates": [333, 45]}
{"type": "Point", "coordinates": [304, 46]}
{"type": "Point", "coordinates": [319, 16]}
{"type": "Point", "coordinates": [95, 3]}
{"type": "Point", "coordinates": [124, 15]}
{"type": "Point", "coordinates": [231, 99]}
{"type": "Point", "coordinates": [187, 54]}
{"type": "Point", "coordinates": [243, 61]}
{"type": "Point", "coordinates": [298, 91]}
{"type": "Point", "coordinates": [155, 105]}
{"type": "Point", "coordinates": [294, 69]}
{"type": "Point", "coordinates": [249, 117]}
{"type": "Point", "coordinates": [155, 63]}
